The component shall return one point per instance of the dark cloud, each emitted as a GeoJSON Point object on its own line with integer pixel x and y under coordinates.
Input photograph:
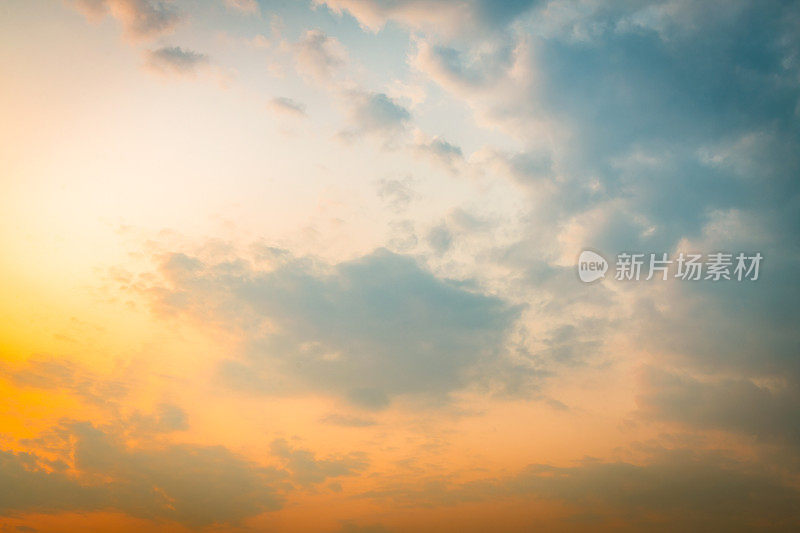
{"type": "Point", "coordinates": [175, 60]}
{"type": "Point", "coordinates": [194, 485]}
{"type": "Point", "coordinates": [366, 330]}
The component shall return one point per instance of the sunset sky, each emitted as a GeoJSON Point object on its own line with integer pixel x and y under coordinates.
{"type": "Point", "coordinates": [311, 266]}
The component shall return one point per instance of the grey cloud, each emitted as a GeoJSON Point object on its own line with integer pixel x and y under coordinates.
{"type": "Point", "coordinates": [141, 19]}
{"type": "Point", "coordinates": [288, 106]}
{"type": "Point", "coordinates": [670, 133]}
{"type": "Point", "coordinates": [27, 486]}
{"type": "Point", "coordinates": [573, 343]}
{"type": "Point", "coordinates": [61, 374]}
{"type": "Point", "coordinates": [336, 419]}
{"type": "Point", "coordinates": [366, 330]}
{"type": "Point", "coordinates": [440, 151]}
{"type": "Point", "coordinates": [732, 404]}
{"type": "Point", "coordinates": [307, 469]}
{"type": "Point", "coordinates": [175, 60]}
{"type": "Point", "coordinates": [397, 193]}
{"type": "Point", "coordinates": [687, 489]}
{"type": "Point", "coordinates": [738, 329]}
{"type": "Point", "coordinates": [653, 95]}
{"type": "Point", "coordinates": [352, 527]}
{"type": "Point", "coordinates": [469, 222]}
{"type": "Point", "coordinates": [194, 485]}
{"type": "Point", "coordinates": [673, 489]}
{"type": "Point", "coordinates": [375, 114]}
{"type": "Point", "coordinates": [168, 417]}
{"type": "Point", "coordinates": [440, 238]}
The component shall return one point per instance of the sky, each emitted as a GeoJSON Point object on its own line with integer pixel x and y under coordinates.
{"type": "Point", "coordinates": [312, 266]}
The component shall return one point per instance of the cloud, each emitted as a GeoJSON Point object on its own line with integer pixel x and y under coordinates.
{"type": "Point", "coordinates": [352, 527]}
{"type": "Point", "coordinates": [168, 418]}
{"type": "Point", "coordinates": [673, 489]}
{"type": "Point", "coordinates": [175, 60]}
{"type": "Point", "coordinates": [306, 469]}
{"type": "Point", "coordinates": [543, 86]}
{"type": "Point", "coordinates": [61, 374]}
{"type": "Point", "coordinates": [738, 405]}
{"type": "Point", "coordinates": [397, 193]}
{"type": "Point", "coordinates": [440, 238]}
{"type": "Point", "coordinates": [336, 419]}
{"type": "Point", "coordinates": [464, 72]}
{"type": "Point", "coordinates": [531, 168]}
{"type": "Point", "coordinates": [439, 150]}
{"type": "Point", "coordinates": [287, 106]}
{"type": "Point", "coordinates": [97, 471]}
{"type": "Point", "coordinates": [250, 7]}
{"type": "Point", "coordinates": [452, 17]}
{"type": "Point", "coordinates": [628, 140]}
{"type": "Point", "coordinates": [375, 114]}
{"type": "Point", "coordinates": [678, 19]}
{"type": "Point", "coordinates": [318, 56]}
{"type": "Point", "coordinates": [141, 19]}
{"type": "Point", "coordinates": [365, 330]}
{"type": "Point", "coordinates": [677, 486]}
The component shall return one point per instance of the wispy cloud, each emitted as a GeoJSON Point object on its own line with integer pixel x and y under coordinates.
{"type": "Point", "coordinates": [175, 60]}
{"type": "Point", "coordinates": [287, 106]}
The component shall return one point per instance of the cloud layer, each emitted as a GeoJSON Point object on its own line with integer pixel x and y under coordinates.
{"type": "Point", "coordinates": [367, 330]}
